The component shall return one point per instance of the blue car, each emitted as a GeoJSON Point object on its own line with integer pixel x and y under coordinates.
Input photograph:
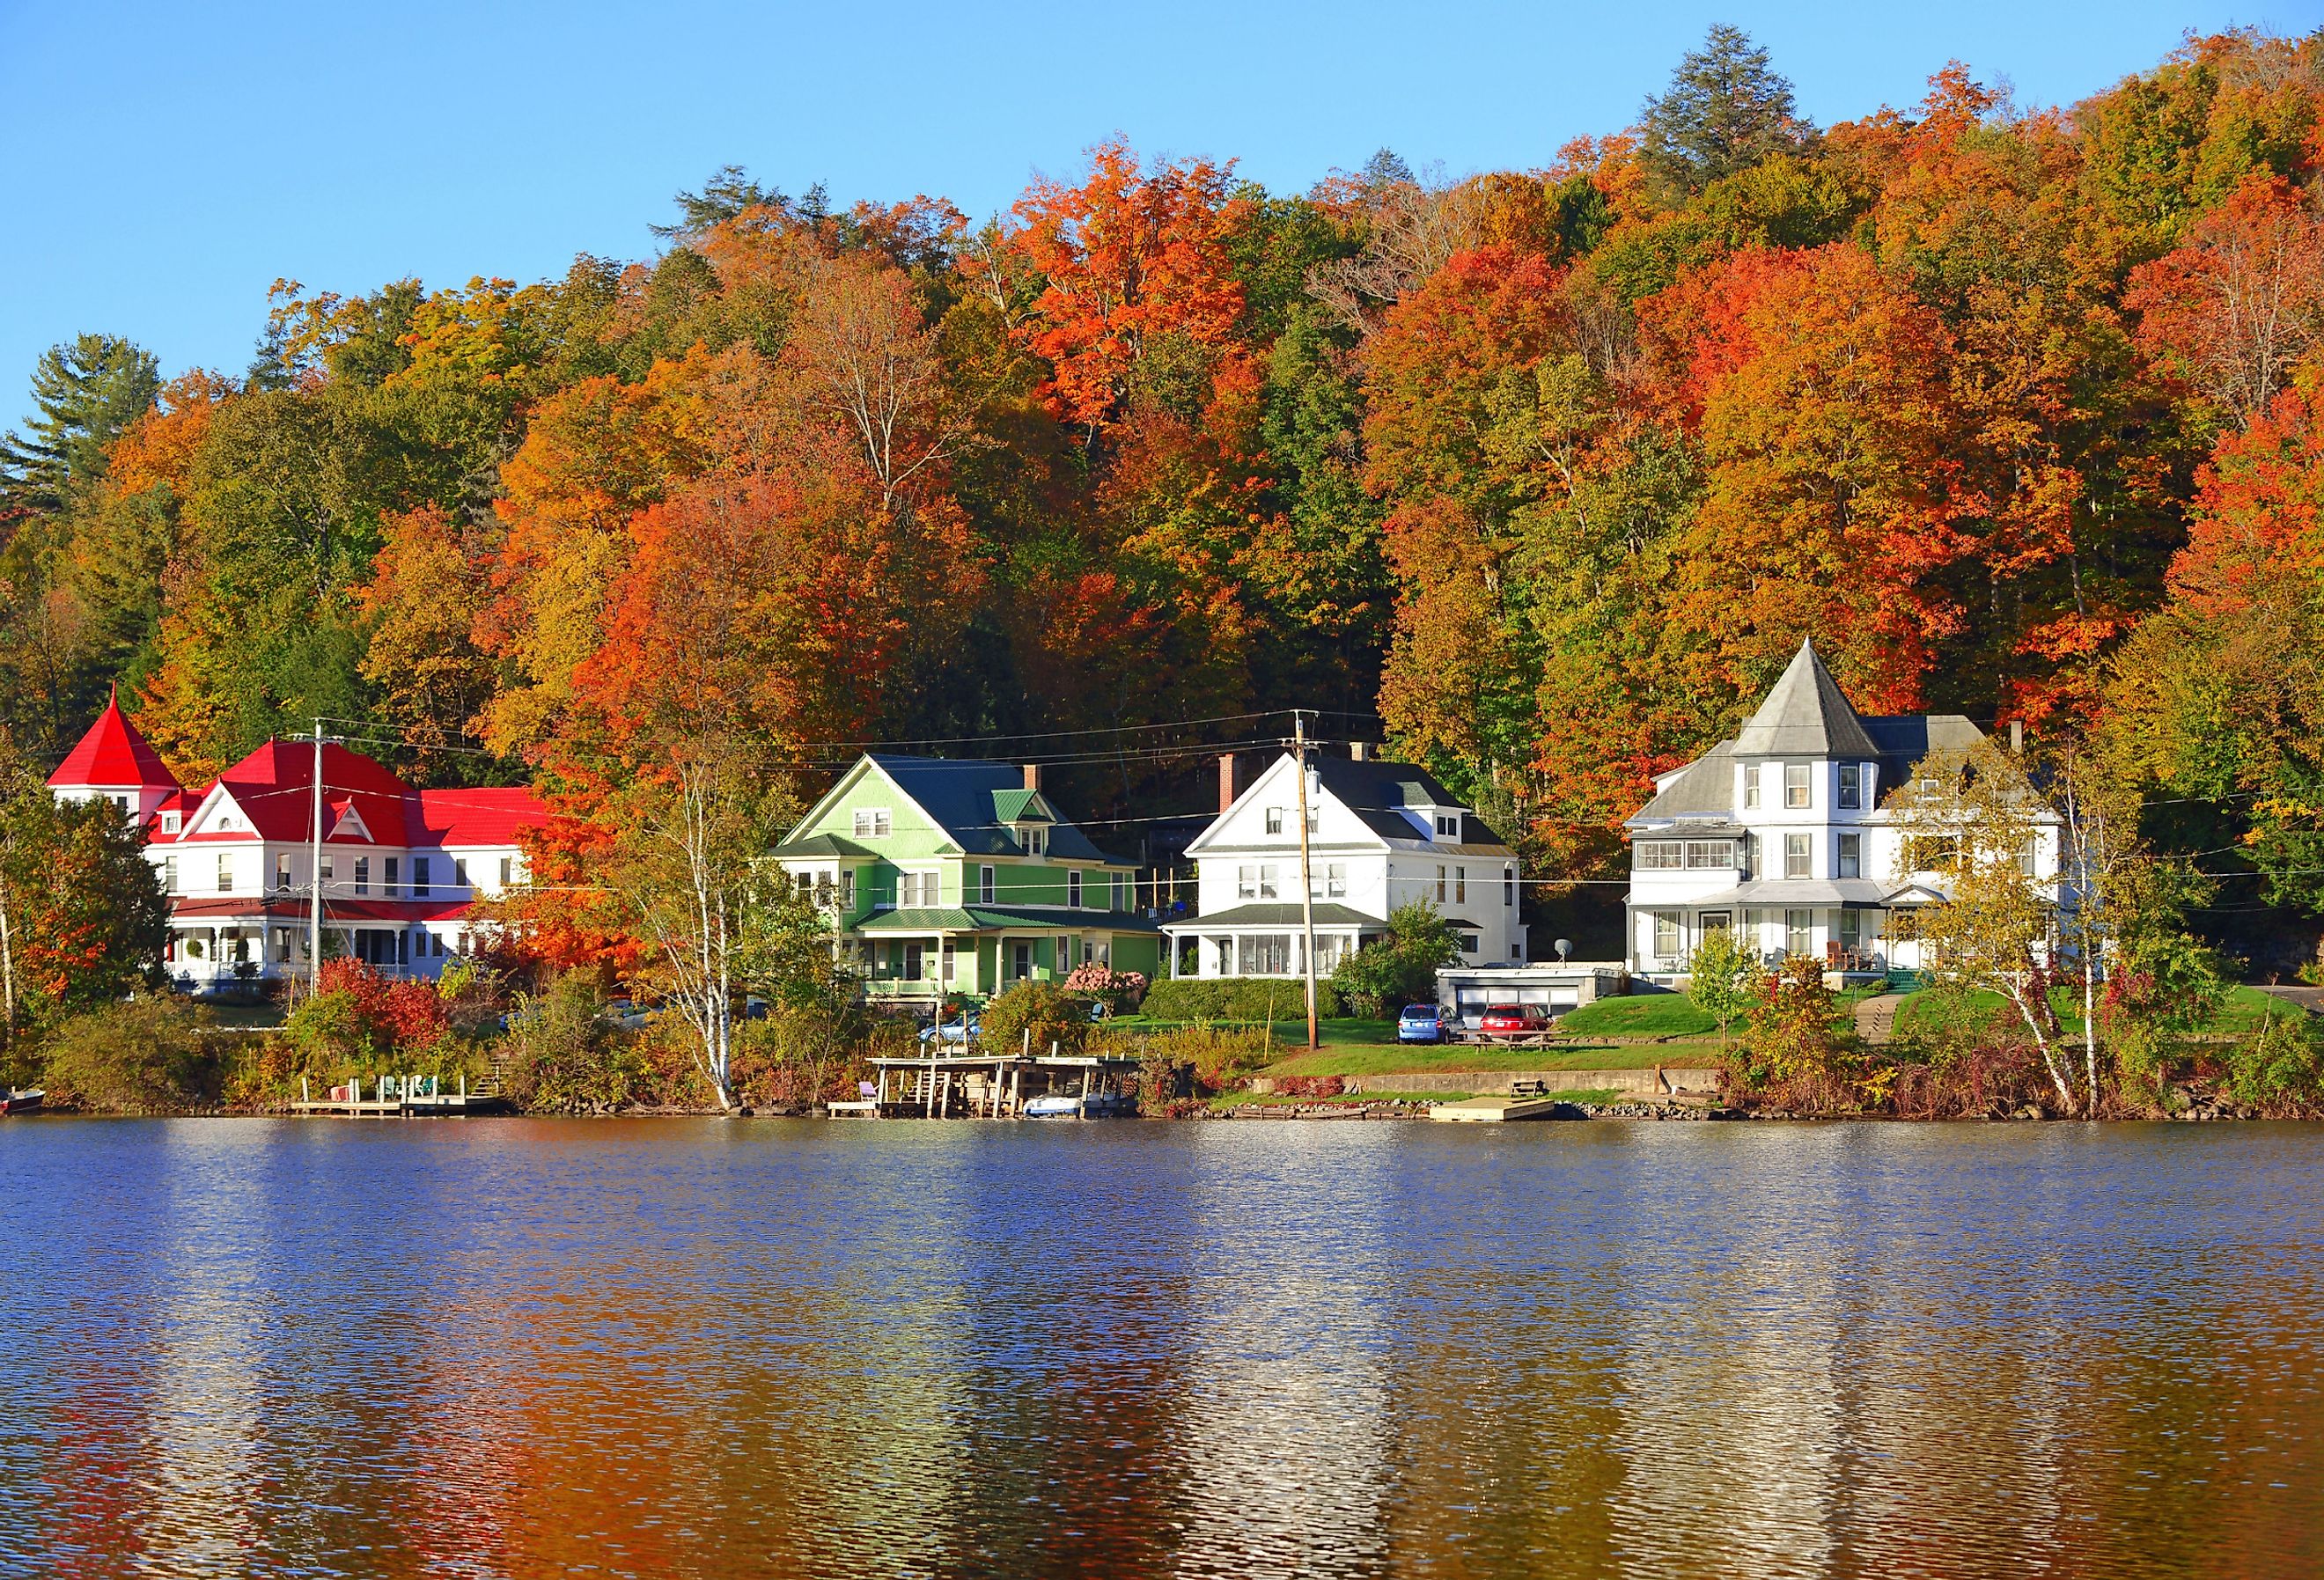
{"type": "Point", "coordinates": [1420, 1024]}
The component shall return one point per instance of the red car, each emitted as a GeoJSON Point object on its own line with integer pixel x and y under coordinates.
{"type": "Point", "coordinates": [1513, 1020]}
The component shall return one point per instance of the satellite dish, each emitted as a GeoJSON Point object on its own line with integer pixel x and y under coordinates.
{"type": "Point", "coordinates": [1563, 947]}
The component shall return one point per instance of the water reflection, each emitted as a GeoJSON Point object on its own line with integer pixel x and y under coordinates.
{"type": "Point", "coordinates": [701, 1348]}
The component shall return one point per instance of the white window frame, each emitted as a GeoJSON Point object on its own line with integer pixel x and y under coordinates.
{"type": "Point", "coordinates": [1247, 880]}
{"type": "Point", "coordinates": [1268, 887]}
{"type": "Point", "coordinates": [1274, 820]}
{"type": "Point", "coordinates": [1448, 826]}
{"type": "Point", "coordinates": [873, 822]}
{"type": "Point", "coordinates": [1799, 857]}
{"type": "Point", "coordinates": [1669, 934]}
{"type": "Point", "coordinates": [1750, 787]}
{"type": "Point", "coordinates": [1799, 931]}
{"type": "Point", "coordinates": [1799, 785]}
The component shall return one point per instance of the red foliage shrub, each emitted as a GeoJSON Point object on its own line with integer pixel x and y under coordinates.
{"type": "Point", "coordinates": [404, 1014]}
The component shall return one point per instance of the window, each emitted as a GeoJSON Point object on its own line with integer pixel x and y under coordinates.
{"type": "Point", "coordinates": [329, 872]}
{"type": "Point", "coordinates": [1113, 891]}
{"type": "Point", "coordinates": [2029, 860]}
{"type": "Point", "coordinates": [419, 877]}
{"type": "Point", "coordinates": [1074, 891]}
{"type": "Point", "coordinates": [1850, 931]}
{"type": "Point", "coordinates": [1448, 825]}
{"type": "Point", "coordinates": [1461, 885]}
{"type": "Point", "coordinates": [1274, 820]}
{"type": "Point", "coordinates": [1037, 841]}
{"type": "Point", "coordinates": [1468, 942]}
{"type": "Point", "coordinates": [847, 889]}
{"type": "Point", "coordinates": [1335, 880]}
{"type": "Point", "coordinates": [915, 889]}
{"type": "Point", "coordinates": [1799, 930]}
{"type": "Point", "coordinates": [225, 873]}
{"type": "Point", "coordinates": [1266, 954]}
{"type": "Point", "coordinates": [170, 873]}
{"type": "Point", "coordinates": [1656, 856]}
{"type": "Point", "coordinates": [1510, 887]}
{"type": "Point", "coordinates": [508, 871]}
{"type": "Point", "coordinates": [1851, 787]}
{"type": "Point", "coordinates": [1796, 858]}
{"type": "Point", "coordinates": [282, 946]}
{"type": "Point", "coordinates": [1247, 881]}
{"type": "Point", "coordinates": [459, 872]}
{"type": "Point", "coordinates": [912, 962]}
{"type": "Point", "coordinates": [1020, 959]}
{"type": "Point", "coordinates": [392, 863]}
{"type": "Point", "coordinates": [1710, 853]}
{"type": "Point", "coordinates": [1670, 938]}
{"type": "Point", "coordinates": [1751, 786]}
{"type": "Point", "coordinates": [1440, 882]}
{"type": "Point", "coordinates": [170, 822]}
{"type": "Point", "coordinates": [1266, 881]}
{"type": "Point", "coordinates": [363, 875]}
{"type": "Point", "coordinates": [1795, 784]}
{"type": "Point", "coordinates": [1850, 864]}
{"type": "Point", "coordinates": [281, 871]}
{"type": "Point", "coordinates": [1715, 921]}
{"type": "Point", "coordinates": [984, 885]}
{"type": "Point", "coordinates": [872, 823]}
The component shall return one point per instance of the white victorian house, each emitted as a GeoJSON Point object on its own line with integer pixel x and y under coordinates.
{"type": "Point", "coordinates": [1379, 835]}
{"type": "Point", "coordinates": [1782, 832]}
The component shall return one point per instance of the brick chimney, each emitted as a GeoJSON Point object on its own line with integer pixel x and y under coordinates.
{"type": "Point", "coordinates": [1032, 776]}
{"type": "Point", "coordinates": [1226, 780]}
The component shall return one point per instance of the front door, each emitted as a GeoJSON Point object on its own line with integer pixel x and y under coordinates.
{"type": "Point", "coordinates": [1020, 960]}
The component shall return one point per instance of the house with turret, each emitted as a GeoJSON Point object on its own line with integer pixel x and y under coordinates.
{"type": "Point", "coordinates": [1783, 834]}
{"type": "Point", "coordinates": [400, 868]}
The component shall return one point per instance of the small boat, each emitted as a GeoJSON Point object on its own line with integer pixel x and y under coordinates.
{"type": "Point", "coordinates": [1066, 1105]}
{"type": "Point", "coordinates": [16, 1102]}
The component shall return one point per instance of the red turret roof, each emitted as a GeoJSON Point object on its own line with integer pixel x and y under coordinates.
{"type": "Point", "coordinates": [113, 756]}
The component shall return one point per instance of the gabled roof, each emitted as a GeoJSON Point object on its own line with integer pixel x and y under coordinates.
{"type": "Point", "coordinates": [972, 802]}
{"type": "Point", "coordinates": [1705, 787]}
{"type": "Point", "coordinates": [1805, 716]}
{"type": "Point", "coordinates": [273, 786]}
{"type": "Point", "coordinates": [113, 755]}
{"type": "Point", "coordinates": [824, 846]}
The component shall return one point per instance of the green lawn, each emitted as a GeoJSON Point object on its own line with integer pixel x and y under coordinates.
{"type": "Point", "coordinates": [1421, 1059]}
{"type": "Point", "coordinates": [1655, 1014]}
{"type": "Point", "coordinates": [1929, 1010]}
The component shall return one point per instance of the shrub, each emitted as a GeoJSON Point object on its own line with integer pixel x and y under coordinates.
{"type": "Point", "coordinates": [1400, 968]}
{"type": "Point", "coordinates": [563, 1056]}
{"type": "Point", "coordinates": [1241, 998]}
{"type": "Point", "coordinates": [2279, 1067]}
{"type": "Point", "coordinates": [1042, 1008]}
{"type": "Point", "coordinates": [356, 1021]}
{"type": "Point", "coordinates": [1219, 1055]}
{"type": "Point", "coordinates": [1117, 989]}
{"type": "Point", "coordinates": [1791, 1039]}
{"type": "Point", "coordinates": [799, 1056]}
{"type": "Point", "coordinates": [152, 1056]}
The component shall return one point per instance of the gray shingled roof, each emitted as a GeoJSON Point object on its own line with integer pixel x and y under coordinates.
{"type": "Point", "coordinates": [1704, 787]}
{"type": "Point", "coordinates": [1805, 716]}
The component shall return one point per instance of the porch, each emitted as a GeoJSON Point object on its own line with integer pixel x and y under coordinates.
{"type": "Point", "coordinates": [923, 957]}
{"type": "Point", "coordinates": [1266, 940]}
{"type": "Point", "coordinates": [1856, 941]}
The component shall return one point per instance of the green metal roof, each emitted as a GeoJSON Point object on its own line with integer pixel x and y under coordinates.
{"type": "Point", "coordinates": [1021, 806]}
{"type": "Point", "coordinates": [823, 845]}
{"type": "Point", "coordinates": [958, 918]}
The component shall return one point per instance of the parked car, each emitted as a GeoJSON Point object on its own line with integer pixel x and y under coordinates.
{"type": "Point", "coordinates": [957, 1033]}
{"type": "Point", "coordinates": [1513, 1020]}
{"type": "Point", "coordinates": [1421, 1023]}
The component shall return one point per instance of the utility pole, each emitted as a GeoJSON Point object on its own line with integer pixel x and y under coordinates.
{"type": "Point", "coordinates": [314, 871]}
{"type": "Point", "coordinates": [1307, 875]}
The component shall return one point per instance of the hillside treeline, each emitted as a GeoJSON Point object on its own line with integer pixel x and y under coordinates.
{"type": "Point", "coordinates": [1540, 475]}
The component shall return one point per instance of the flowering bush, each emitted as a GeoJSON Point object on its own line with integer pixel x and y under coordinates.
{"type": "Point", "coordinates": [1119, 989]}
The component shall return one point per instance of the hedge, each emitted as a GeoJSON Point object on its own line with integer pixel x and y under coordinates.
{"type": "Point", "coordinates": [1238, 999]}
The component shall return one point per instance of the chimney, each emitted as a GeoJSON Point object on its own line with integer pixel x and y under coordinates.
{"type": "Point", "coordinates": [1226, 781]}
{"type": "Point", "coordinates": [1359, 751]}
{"type": "Point", "coordinates": [1032, 776]}
{"type": "Point", "coordinates": [2017, 737]}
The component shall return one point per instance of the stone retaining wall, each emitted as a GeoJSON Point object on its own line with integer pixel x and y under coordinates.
{"type": "Point", "coordinates": [1643, 1082]}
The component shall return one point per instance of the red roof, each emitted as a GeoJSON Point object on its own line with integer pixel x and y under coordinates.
{"type": "Point", "coordinates": [475, 816]}
{"type": "Point", "coordinates": [292, 906]}
{"type": "Point", "coordinates": [113, 755]}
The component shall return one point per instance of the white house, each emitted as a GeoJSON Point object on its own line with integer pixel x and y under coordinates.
{"type": "Point", "coordinates": [401, 866]}
{"type": "Point", "coordinates": [1379, 835]}
{"type": "Point", "coordinates": [1782, 832]}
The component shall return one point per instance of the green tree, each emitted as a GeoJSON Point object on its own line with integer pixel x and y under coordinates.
{"type": "Point", "coordinates": [1722, 979]}
{"type": "Point", "coordinates": [1402, 967]}
{"type": "Point", "coordinates": [1726, 110]}
{"type": "Point", "coordinates": [84, 392]}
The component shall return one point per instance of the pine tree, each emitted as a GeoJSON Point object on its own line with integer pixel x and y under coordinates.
{"type": "Point", "coordinates": [1726, 110]}
{"type": "Point", "coordinates": [86, 393]}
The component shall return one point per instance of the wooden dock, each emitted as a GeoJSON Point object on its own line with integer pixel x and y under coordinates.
{"type": "Point", "coordinates": [1500, 1109]}
{"type": "Point", "coordinates": [398, 1097]}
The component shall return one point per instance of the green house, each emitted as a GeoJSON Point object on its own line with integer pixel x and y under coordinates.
{"type": "Point", "coordinates": [949, 877]}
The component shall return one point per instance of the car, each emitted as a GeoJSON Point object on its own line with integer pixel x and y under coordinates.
{"type": "Point", "coordinates": [957, 1032]}
{"type": "Point", "coordinates": [1513, 1020]}
{"type": "Point", "coordinates": [1421, 1023]}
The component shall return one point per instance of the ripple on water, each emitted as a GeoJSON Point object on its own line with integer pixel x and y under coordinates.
{"type": "Point", "coordinates": [701, 1348]}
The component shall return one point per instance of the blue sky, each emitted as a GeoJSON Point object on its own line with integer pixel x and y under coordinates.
{"type": "Point", "coordinates": [164, 163]}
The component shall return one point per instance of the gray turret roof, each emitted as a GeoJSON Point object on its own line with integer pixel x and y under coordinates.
{"type": "Point", "coordinates": [1805, 716]}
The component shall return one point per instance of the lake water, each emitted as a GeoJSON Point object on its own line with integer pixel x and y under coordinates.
{"type": "Point", "coordinates": [792, 1348]}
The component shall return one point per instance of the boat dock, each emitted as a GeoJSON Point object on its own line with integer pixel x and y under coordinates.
{"type": "Point", "coordinates": [976, 1086]}
{"type": "Point", "coordinates": [1497, 1109]}
{"type": "Point", "coordinates": [399, 1096]}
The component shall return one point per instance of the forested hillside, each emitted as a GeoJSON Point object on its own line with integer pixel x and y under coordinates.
{"type": "Point", "coordinates": [2014, 410]}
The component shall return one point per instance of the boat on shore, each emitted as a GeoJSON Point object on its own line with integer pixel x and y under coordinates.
{"type": "Point", "coordinates": [16, 1102]}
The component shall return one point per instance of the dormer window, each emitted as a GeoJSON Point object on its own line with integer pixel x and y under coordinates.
{"type": "Point", "coordinates": [1036, 839]}
{"type": "Point", "coordinates": [1448, 826]}
{"type": "Point", "coordinates": [170, 822]}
